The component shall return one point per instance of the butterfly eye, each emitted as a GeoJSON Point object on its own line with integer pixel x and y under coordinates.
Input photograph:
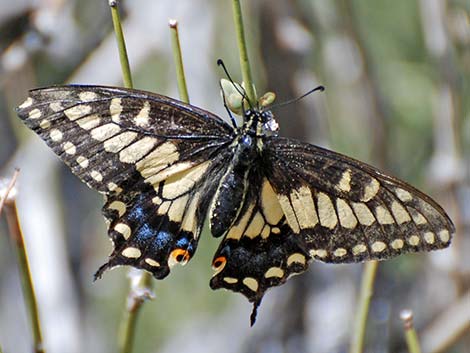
{"type": "Point", "coordinates": [219, 264]}
{"type": "Point", "coordinates": [178, 256]}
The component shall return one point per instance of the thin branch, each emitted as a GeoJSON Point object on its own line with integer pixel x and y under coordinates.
{"type": "Point", "coordinates": [367, 289]}
{"type": "Point", "coordinates": [140, 283]}
{"type": "Point", "coordinates": [126, 71]}
{"type": "Point", "coordinates": [4, 197]}
{"type": "Point", "coordinates": [11, 212]}
{"type": "Point", "coordinates": [410, 333]}
{"type": "Point", "coordinates": [244, 61]}
{"type": "Point", "coordinates": [178, 57]}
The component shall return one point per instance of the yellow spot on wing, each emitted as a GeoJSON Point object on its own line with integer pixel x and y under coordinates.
{"type": "Point", "coordinates": [444, 235]}
{"type": "Point", "coordinates": [56, 135]}
{"type": "Point", "coordinates": [370, 190]}
{"type": "Point", "coordinates": [77, 111]}
{"type": "Point", "coordinates": [340, 252]}
{"type": "Point", "coordinates": [418, 218]}
{"type": "Point", "coordinates": [155, 161]}
{"type": "Point", "coordinates": [87, 96]}
{"type": "Point", "coordinates": [321, 253]}
{"type": "Point", "coordinates": [190, 220]}
{"type": "Point", "coordinates": [251, 283]}
{"type": "Point", "coordinates": [397, 244]}
{"type": "Point", "coordinates": [113, 187]}
{"type": "Point", "coordinates": [326, 211]}
{"type": "Point", "coordinates": [236, 231]}
{"type": "Point", "coordinates": [403, 195]}
{"type": "Point", "coordinates": [289, 213]}
{"type": "Point", "coordinates": [345, 182]}
{"type": "Point", "coordinates": [274, 272]}
{"type": "Point", "coordinates": [118, 206]}
{"type": "Point", "coordinates": [230, 280]}
{"type": "Point", "coordinates": [272, 210]}
{"type": "Point", "coordinates": [255, 227]}
{"type": "Point", "coordinates": [359, 248]}
{"type": "Point", "coordinates": [346, 215]}
{"type": "Point", "coordinates": [123, 229]}
{"type": "Point", "coordinates": [142, 119]}
{"type": "Point", "coordinates": [429, 237]}
{"type": "Point", "coordinates": [383, 216]}
{"type": "Point", "coordinates": [399, 212]}
{"type": "Point", "coordinates": [304, 207]}
{"type": "Point", "coordinates": [363, 214]}
{"type": "Point", "coordinates": [137, 150]}
{"type": "Point", "coordinates": [97, 176]}
{"type": "Point", "coordinates": [45, 124]}
{"type": "Point", "coordinates": [82, 161]}
{"type": "Point", "coordinates": [115, 109]}
{"type": "Point", "coordinates": [89, 122]}
{"type": "Point", "coordinates": [34, 114]}
{"type": "Point", "coordinates": [131, 252]}
{"type": "Point", "coordinates": [181, 183]}
{"type": "Point", "coordinates": [27, 103]}
{"type": "Point", "coordinates": [177, 208]}
{"type": "Point", "coordinates": [104, 132]}
{"type": "Point", "coordinates": [266, 231]}
{"type": "Point", "coordinates": [70, 148]}
{"type": "Point", "coordinates": [56, 106]}
{"type": "Point", "coordinates": [152, 262]}
{"type": "Point", "coordinates": [378, 246]}
{"type": "Point", "coordinates": [413, 240]}
{"type": "Point", "coordinates": [166, 172]}
{"type": "Point", "coordinates": [296, 258]}
{"type": "Point", "coordinates": [118, 142]}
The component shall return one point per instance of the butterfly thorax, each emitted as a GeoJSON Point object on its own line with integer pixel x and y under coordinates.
{"type": "Point", "coordinates": [247, 148]}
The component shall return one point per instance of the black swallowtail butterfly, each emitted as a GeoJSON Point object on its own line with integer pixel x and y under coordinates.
{"type": "Point", "coordinates": [277, 203]}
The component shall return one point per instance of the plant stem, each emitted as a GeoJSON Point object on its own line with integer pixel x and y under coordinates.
{"type": "Point", "coordinates": [410, 333]}
{"type": "Point", "coordinates": [244, 61]}
{"type": "Point", "coordinates": [11, 212]}
{"type": "Point", "coordinates": [141, 289]}
{"type": "Point", "coordinates": [126, 71]}
{"type": "Point", "coordinates": [367, 289]}
{"type": "Point", "coordinates": [178, 58]}
{"type": "Point", "coordinates": [10, 186]}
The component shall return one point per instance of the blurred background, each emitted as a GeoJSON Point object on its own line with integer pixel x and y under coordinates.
{"type": "Point", "coordinates": [398, 85]}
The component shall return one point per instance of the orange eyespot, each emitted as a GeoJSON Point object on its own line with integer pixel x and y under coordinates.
{"type": "Point", "coordinates": [180, 256]}
{"type": "Point", "coordinates": [219, 264]}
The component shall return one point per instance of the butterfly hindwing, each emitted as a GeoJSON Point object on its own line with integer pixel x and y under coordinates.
{"type": "Point", "coordinates": [150, 155]}
{"type": "Point", "coordinates": [260, 250]}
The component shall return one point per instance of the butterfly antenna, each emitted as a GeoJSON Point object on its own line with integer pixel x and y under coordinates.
{"type": "Point", "coordinates": [220, 62]}
{"type": "Point", "coordinates": [234, 122]}
{"type": "Point", "coordinates": [319, 88]}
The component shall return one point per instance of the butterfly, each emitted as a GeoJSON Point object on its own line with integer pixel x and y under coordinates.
{"type": "Point", "coordinates": [163, 166]}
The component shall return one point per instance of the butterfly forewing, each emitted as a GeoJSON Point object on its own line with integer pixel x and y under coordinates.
{"type": "Point", "coordinates": [347, 211]}
{"type": "Point", "coordinates": [149, 154]}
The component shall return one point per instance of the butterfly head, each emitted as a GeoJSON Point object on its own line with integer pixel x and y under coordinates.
{"type": "Point", "coordinates": [263, 121]}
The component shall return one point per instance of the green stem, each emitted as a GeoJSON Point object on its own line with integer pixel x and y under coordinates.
{"type": "Point", "coordinates": [410, 333]}
{"type": "Point", "coordinates": [244, 61]}
{"type": "Point", "coordinates": [11, 212]}
{"type": "Point", "coordinates": [178, 58]}
{"type": "Point", "coordinates": [126, 71]}
{"type": "Point", "coordinates": [367, 289]}
{"type": "Point", "coordinates": [136, 296]}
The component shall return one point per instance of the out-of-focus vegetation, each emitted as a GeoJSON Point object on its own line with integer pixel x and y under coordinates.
{"type": "Point", "coordinates": [397, 75]}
